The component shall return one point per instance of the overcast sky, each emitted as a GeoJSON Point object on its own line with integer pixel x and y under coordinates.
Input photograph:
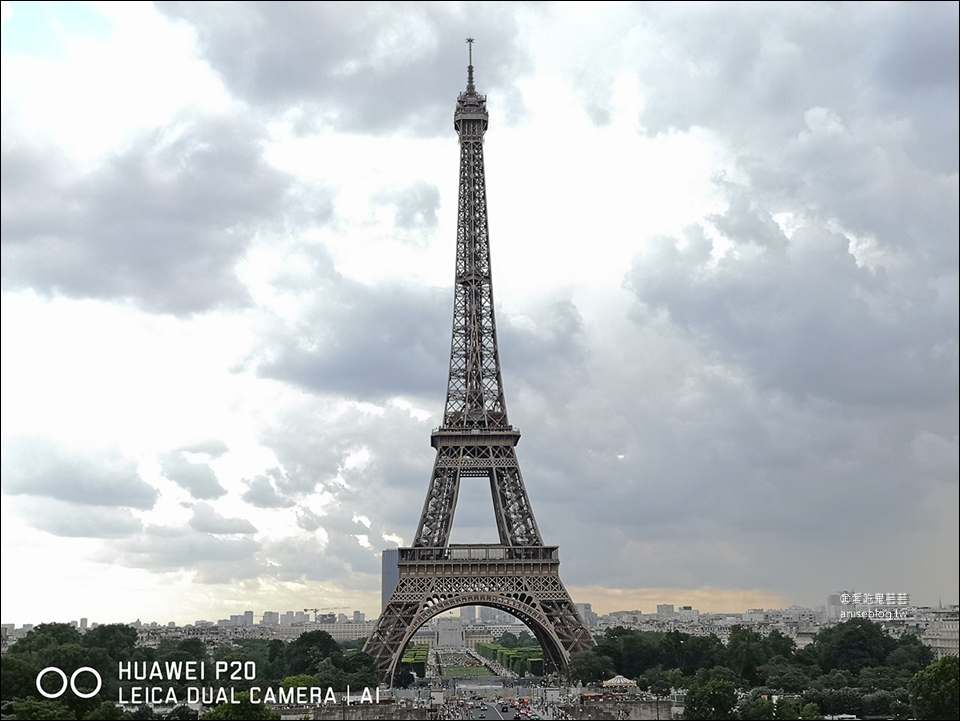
{"type": "Point", "coordinates": [725, 251]}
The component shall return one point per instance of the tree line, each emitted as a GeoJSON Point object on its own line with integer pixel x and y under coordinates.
{"type": "Point", "coordinates": [313, 659]}
{"type": "Point", "coordinates": [851, 668]}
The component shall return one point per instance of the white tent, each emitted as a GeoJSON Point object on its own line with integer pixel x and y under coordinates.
{"type": "Point", "coordinates": [619, 680]}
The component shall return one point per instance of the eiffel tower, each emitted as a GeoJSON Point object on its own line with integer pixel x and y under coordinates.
{"type": "Point", "coordinates": [519, 575]}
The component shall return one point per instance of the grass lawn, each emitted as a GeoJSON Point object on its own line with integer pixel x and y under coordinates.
{"type": "Point", "coordinates": [459, 671]}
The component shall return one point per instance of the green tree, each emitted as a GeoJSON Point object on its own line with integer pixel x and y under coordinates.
{"type": "Point", "coordinates": [746, 651]}
{"type": "Point", "coordinates": [878, 703]}
{"type": "Point", "coordinates": [711, 695]}
{"type": "Point", "coordinates": [194, 648]}
{"type": "Point", "coordinates": [792, 678]}
{"type": "Point", "coordinates": [107, 711]}
{"type": "Point", "coordinates": [881, 678]}
{"type": "Point", "coordinates": [835, 700]}
{"type": "Point", "coordinates": [329, 674]}
{"type": "Point", "coordinates": [776, 644]}
{"type": "Point", "coordinates": [910, 654]}
{"type": "Point", "coordinates": [674, 677]}
{"type": "Point", "coordinates": [18, 675]}
{"type": "Point", "coordinates": [300, 681]}
{"type": "Point", "coordinates": [757, 709]}
{"type": "Point", "coordinates": [853, 645]}
{"type": "Point", "coordinates": [243, 710]}
{"type": "Point", "coordinates": [182, 713]}
{"type": "Point", "coordinates": [46, 635]}
{"type": "Point", "coordinates": [656, 681]}
{"type": "Point", "coordinates": [304, 654]}
{"type": "Point", "coordinates": [588, 666]}
{"type": "Point", "coordinates": [508, 640]}
{"type": "Point", "coordinates": [690, 653]}
{"type": "Point", "coordinates": [811, 712]}
{"type": "Point", "coordinates": [403, 676]}
{"type": "Point", "coordinates": [525, 640]}
{"type": "Point", "coordinates": [786, 710]}
{"type": "Point", "coordinates": [117, 639]}
{"type": "Point", "coordinates": [41, 710]}
{"type": "Point", "coordinates": [355, 645]}
{"type": "Point", "coordinates": [639, 651]}
{"type": "Point", "coordinates": [935, 691]}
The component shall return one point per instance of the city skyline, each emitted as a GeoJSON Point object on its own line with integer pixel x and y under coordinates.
{"type": "Point", "coordinates": [725, 248]}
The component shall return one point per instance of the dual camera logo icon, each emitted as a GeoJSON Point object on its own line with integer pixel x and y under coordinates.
{"type": "Point", "coordinates": [72, 682]}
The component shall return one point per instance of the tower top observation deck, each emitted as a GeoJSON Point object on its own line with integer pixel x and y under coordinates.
{"type": "Point", "coordinates": [470, 104]}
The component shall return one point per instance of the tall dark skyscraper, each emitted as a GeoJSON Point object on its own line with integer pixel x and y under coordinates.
{"type": "Point", "coordinates": [389, 575]}
{"type": "Point", "coordinates": [476, 442]}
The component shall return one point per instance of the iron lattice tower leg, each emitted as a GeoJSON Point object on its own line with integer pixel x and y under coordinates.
{"type": "Point", "coordinates": [476, 440]}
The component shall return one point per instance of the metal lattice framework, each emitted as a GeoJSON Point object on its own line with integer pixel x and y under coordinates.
{"type": "Point", "coordinates": [521, 575]}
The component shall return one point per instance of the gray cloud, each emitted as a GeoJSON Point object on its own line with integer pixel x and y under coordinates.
{"type": "Point", "coordinates": [37, 467]}
{"type": "Point", "coordinates": [72, 521]}
{"type": "Point", "coordinates": [771, 66]}
{"type": "Point", "coordinates": [415, 207]}
{"type": "Point", "coordinates": [669, 467]}
{"type": "Point", "coordinates": [213, 448]}
{"type": "Point", "coordinates": [197, 478]}
{"type": "Point", "coordinates": [216, 559]}
{"type": "Point", "coordinates": [312, 446]}
{"type": "Point", "coordinates": [296, 558]}
{"type": "Point", "coordinates": [308, 520]}
{"type": "Point", "coordinates": [263, 494]}
{"type": "Point", "coordinates": [359, 66]}
{"type": "Point", "coordinates": [806, 319]}
{"type": "Point", "coordinates": [547, 348]}
{"type": "Point", "coordinates": [362, 341]}
{"type": "Point", "coordinates": [162, 224]}
{"type": "Point", "coordinates": [206, 520]}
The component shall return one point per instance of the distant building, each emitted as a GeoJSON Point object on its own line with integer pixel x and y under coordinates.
{"type": "Point", "coordinates": [941, 635]}
{"type": "Point", "coordinates": [586, 613]}
{"type": "Point", "coordinates": [389, 574]}
{"type": "Point", "coordinates": [665, 610]}
{"type": "Point", "coordinates": [270, 618]}
{"type": "Point", "coordinates": [835, 606]}
{"type": "Point", "coordinates": [350, 631]}
{"type": "Point", "coordinates": [468, 614]}
{"type": "Point", "coordinates": [450, 633]}
{"type": "Point", "coordinates": [359, 617]}
{"type": "Point", "coordinates": [83, 624]}
{"type": "Point", "coordinates": [247, 618]}
{"type": "Point", "coordinates": [687, 612]}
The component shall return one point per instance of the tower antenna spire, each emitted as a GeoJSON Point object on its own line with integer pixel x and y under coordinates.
{"type": "Point", "coordinates": [470, 86]}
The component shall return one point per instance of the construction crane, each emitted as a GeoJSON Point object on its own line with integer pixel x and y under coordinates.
{"type": "Point", "coordinates": [316, 611]}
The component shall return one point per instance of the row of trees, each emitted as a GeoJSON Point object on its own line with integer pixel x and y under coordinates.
{"type": "Point", "coordinates": [931, 693]}
{"type": "Point", "coordinates": [758, 660]}
{"type": "Point", "coordinates": [853, 667]}
{"type": "Point", "coordinates": [313, 659]}
{"type": "Point", "coordinates": [520, 659]}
